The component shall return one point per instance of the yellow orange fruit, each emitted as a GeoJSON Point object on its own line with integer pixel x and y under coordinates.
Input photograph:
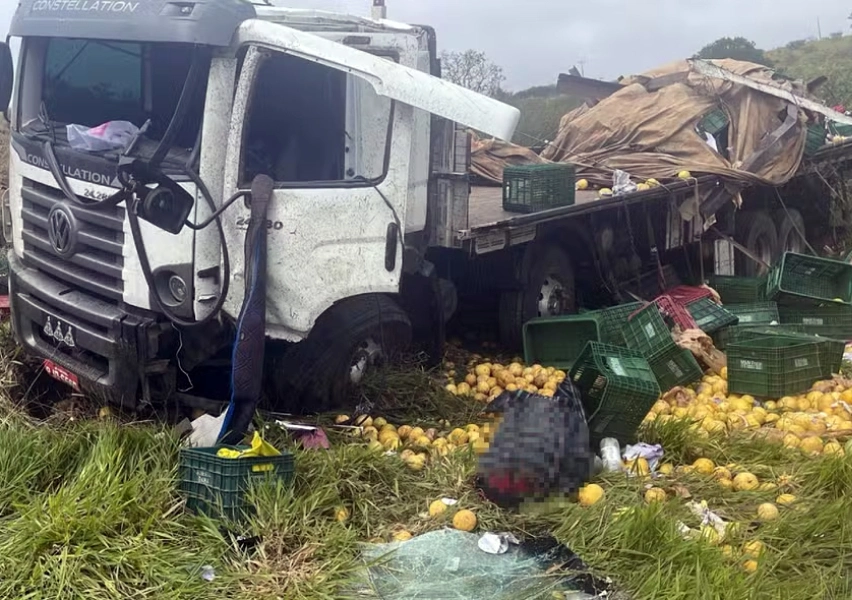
{"type": "Point", "coordinates": [464, 520]}
{"type": "Point", "coordinates": [590, 494]}
{"type": "Point", "coordinates": [745, 482]}
{"type": "Point", "coordinates": [767, 512]}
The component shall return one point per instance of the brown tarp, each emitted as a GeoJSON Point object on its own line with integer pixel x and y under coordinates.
{"type": "Point", "coordinates": [489, 157]}
{"type": "Point", "coordinates": [653, 133]}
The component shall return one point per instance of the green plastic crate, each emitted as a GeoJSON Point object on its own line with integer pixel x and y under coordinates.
{"type": "Point", "coordinates": [709, 316]}
{"type": "Point", "coordinates": [618, 389]}
{"type": "Point", "coordinates": [830, 350]}
{"type": "Point", "coordinates": [647, 333]}
{"type": "Point", "coordinates": [773, 366]}
{"type": "Point", "coordinates": [837, 129]}
{"type": "Point", "coordinates": [532, 188]}
{"type": "Point", "coordinates": [714, 121]}
{"type": "Point", "coordinates": [675, 367]}
{"type": "Point", "coordinates": [755, 313]}
{"type": "Point", "coordinates": [809, 280]}
{"type": "Point", "coordinates": [815, 139]}
{"type": "Point", "coordinates": [613, 320]}
{"type": "Point", "coordinates": [729, 335]}
{"type": "Point", "coordinates": [558, 341]}
{"type": "Point", "coordinates": [739, 290]}
{"type": "Point", "coordinates": [830, 320]}
{"type": "Point", "coordinates": [218, 486]}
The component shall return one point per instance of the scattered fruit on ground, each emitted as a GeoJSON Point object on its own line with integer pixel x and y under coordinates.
{"type": "Point", "coordinates": [684, 175]}
{"type": "Point", "coordinates": [582, 184]}
{"type": "Point", "coordinates": [754, 548]}
{"type": "Point", "coordinates": [655, 494]}
{"type": "Point", "coordinates": [666, 469]}
{"type": "Point", "coordinates": [341, 514]}
{"type": "Point", "coordinates": [767, 512]}
{"type": "Point", "coordinates": [402, 536]}
{"type": "Point", "coordinates": [464, 520]}
{"type": "Point", "coordinates": [637, 466]}
{"type": "Point", "coordinates": [750, 565]}
{"type": "Point", "coordinates": [704, 466]}
{"type": "Point", "coordinates": [437, 508]}
{"type": "Point", "coordinates": [590, 494]}
{"type": "Point", "coordinates": [785, 499]}
{"type": "Point", "coordinates": [745, 482]}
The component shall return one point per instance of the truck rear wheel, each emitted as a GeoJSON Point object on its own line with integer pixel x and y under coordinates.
{"type": "Point", "coordinates": [548, 292]}
{"type": "Point", "coordinates": [756, 231]}
{"type": "Point", "coordinates": [352, 337]}
{"type": "Point", "coordinates": [791, 228]}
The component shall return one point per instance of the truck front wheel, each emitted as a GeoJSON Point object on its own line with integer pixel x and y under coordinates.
{"type": "Point", "coordinates": [548, 292]}
{"type": "Point", "coordinates": [355, 335]}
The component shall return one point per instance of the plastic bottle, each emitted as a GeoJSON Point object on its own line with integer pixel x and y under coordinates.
{"type": "Point", "coordinates": [611, 455]}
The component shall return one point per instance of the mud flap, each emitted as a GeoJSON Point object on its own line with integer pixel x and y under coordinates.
{"type": "Point", "coordinates": [248, 354]}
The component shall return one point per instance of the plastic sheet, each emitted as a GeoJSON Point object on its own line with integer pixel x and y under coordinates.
{"type": "Point", "coordinates": [114, 135]}
{"type": "Point", "coordinates": [448, 565]}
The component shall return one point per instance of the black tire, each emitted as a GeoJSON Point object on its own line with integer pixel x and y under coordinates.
{"type": "Point", "coordinates": [756, 231]}
{"type": "Point", "coordinates": [791, 228]}
{"type": "Point", "coordinates": [548, 265]}
{"type": "Point", "coordinates": [315, 374]}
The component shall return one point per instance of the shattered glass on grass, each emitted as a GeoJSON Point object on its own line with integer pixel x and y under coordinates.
{"type": "Point", "coordinates": [448, 564]}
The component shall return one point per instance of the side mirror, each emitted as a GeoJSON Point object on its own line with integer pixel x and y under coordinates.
{"type": "Point", "coordinates": [7, 76]}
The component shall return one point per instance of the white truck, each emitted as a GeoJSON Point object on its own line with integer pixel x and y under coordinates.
{"type": "Point", "coordinates": [133, 267]}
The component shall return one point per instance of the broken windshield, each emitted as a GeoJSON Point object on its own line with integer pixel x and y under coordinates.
{"type": "Point", "coordinates": [91, 82]}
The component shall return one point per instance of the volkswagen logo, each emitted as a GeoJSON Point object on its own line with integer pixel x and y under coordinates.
{"type": "Point", "coordinates": [61, 231]}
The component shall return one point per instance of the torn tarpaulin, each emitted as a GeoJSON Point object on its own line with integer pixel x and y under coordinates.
{"type": "Point", "coordinates": [449, 564]}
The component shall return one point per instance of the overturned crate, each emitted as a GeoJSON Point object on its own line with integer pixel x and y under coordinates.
{"type": "Point", "coordinates": [618, 389]}
{"type": "Point", "coordinates": [559, 341]}
{"type": "Point", "coordinates": [709, 316]}
{"type": "Point", "coordinates": [648, 333]}
{"type": "Point", "coordinates": [739, 290]}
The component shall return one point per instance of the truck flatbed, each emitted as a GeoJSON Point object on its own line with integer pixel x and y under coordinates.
{"type": "Point", "coordinates": [486, 215]}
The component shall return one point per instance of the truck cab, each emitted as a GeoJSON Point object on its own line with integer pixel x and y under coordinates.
{"type": "Point", "coordinates": [349, 118]}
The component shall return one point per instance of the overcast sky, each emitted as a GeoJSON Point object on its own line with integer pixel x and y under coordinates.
{"type": "Point", "coordinates": [535, 40]}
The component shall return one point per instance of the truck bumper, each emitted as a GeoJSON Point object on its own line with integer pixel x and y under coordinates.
{"type": "Point", "coordinates": [104, 346]}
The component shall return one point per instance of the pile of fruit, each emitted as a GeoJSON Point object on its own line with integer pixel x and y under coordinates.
{"type": "Point", "coordinates": [815, 422]}
{"type": "Point", "coordinates": [485, 381]}
{"type": "Point", "coordinates": [416, 446]}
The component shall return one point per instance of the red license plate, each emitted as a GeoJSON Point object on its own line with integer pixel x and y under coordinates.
{"type": "Point", "coordinates": [61, 374]}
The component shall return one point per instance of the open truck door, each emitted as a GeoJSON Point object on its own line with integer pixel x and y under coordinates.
{"type": "Point", "coordinates": [338, 199]}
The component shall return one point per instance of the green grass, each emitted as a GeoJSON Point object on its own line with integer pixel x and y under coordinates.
{"type": "Point", "coordinates": [89, 509]}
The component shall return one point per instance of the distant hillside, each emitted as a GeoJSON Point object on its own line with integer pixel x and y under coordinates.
{"type": "Point", "coordinates": [541, 108]}
{"type": "Point", "coordinates": [832, 57]}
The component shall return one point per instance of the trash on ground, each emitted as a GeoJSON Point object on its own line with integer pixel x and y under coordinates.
{"type": "Point", "coordinates": [208, 573]}
{"type": "Point", "coordinates": [652, 453]}
{"type": "Point", "coordinates": [310, 437]}
{"type": "Point", "coordinates": [205, 431]}
{"type": "Point", "coordinates": [450, 564]}
{"type": "Point", "coordinates": [497, 543]}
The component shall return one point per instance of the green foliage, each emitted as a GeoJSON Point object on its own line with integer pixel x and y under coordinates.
{"type": "Point", "coordinates": [540, 116]}
{"type": "Point", "coordinates": [737, 48]}
{"type": "Point", "coordinates": [807, 60]}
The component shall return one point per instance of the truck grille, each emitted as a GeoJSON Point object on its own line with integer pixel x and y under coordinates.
{"type": "Point", "coordinates": [97, 262]}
